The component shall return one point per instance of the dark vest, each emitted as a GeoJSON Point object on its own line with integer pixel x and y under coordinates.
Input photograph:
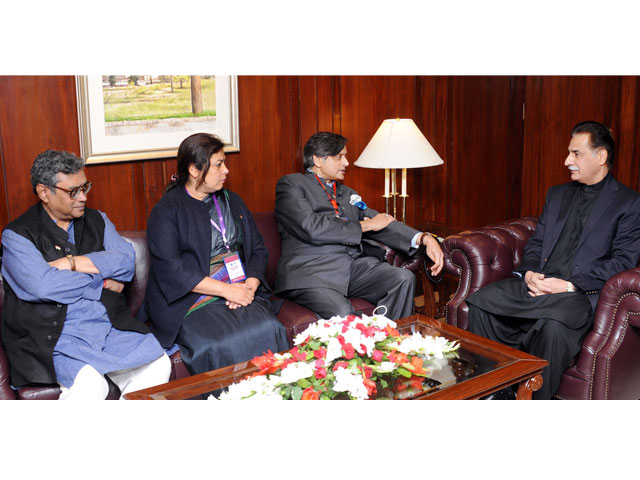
{"type": "Point", "coordinates": [30, 330]}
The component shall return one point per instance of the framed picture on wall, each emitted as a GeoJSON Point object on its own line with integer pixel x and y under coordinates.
{"type": "Point", "coordinates": [141, 117]}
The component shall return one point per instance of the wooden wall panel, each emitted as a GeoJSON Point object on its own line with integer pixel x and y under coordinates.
{"type": "Point", "coordinates": [269, 139]}
{"type": "Point", "coordinates": [113, 193]}
{"type": "Point", "coordinates": [364, 103]}
{"type": "Point", "coordinates": [627, 135]}
{"type": "Point", "coordinates": [37, 113]}
{"type": "Point", "coordinates": [553, 106]}
{"type": "Point", "coordinates": [474, 123]}
{"type": "Point", "coordinates": [480, 135]}
{"type": "Point", "coordinates": [431, 192]}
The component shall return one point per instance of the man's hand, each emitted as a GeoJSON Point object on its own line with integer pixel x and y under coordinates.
{"type": "Point", "coordinates": [538, 284]}
{"type": "Point", "coordinates": [113, 285]}
{"type": "Point", "coordinates": [434, 252]}
{"type": "Point", "coordinates": [61, 263]}
{"type": "Point", "coordinates": [83, 264]}
{"type": "Point", "coordinates": [377, 223]}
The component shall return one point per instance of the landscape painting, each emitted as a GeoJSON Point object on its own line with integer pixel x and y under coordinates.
{"type": "Point", "coordinates": [135, 117]}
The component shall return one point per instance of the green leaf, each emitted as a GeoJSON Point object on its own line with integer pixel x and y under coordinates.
{"type": "Point", "coordinates": [315, 345]}
{"type": "Point", "coordinates": [296, 393]}
{"type": "Point", "coordinates": [404, 372]}
{"type": "Point", "coordinates": [304, 383]}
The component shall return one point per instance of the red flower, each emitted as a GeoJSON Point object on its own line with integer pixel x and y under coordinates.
{"type": "Point", "coordinates": [377, 355]}
{"type": "Point", "coordinates": [319, 363]}
{"type": "Point", "coordinates": [310, 394]}
{"type": "Point", "coordinates": [401, 358]}
{"type": "Point", "coordinates": [267, 363]}
{"type": "Point", "coordinates": [320, 353]}
{"type": "Point", "coordinates": [298, 355]}
{"type": "Point", "coordinates": [370, 386]}
{"type": "Point", "coordinates": [351, 318]}
{"type": "Point", "coordinates": [340, 365]}
{"type": "Point", "coordinates": [320, 373]}
{"type": "Point", "coordinates": [348, 350]}
{"type": "Point", "coordinates": [368, 371]}
{"type": "Point", "coordinates": [391, 331]}
{"type": "Point", "coordinates": [367, 331]}
{"type": "Point", "coordinates": [415, 366]}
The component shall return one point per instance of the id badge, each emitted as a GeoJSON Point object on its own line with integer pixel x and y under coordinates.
{"type": "Point", "coordinates": [234, 268]}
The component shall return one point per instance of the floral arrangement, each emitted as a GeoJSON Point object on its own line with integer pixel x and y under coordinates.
{"type": "Point", "coordinates": [352, 357]}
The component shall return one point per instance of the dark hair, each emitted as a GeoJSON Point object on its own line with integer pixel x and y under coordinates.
{"type": "Point", "coordinates": [322, 144]}
{"type": "Point", "coordinates": [196, 149]}
{"type": "Point", "coordinates": [48, 164]}
{"type": "Point", "coordinates": [601, 136]}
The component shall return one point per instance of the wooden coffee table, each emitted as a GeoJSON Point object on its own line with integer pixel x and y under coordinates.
{"type": "Point", "coordinates": [482, 367]}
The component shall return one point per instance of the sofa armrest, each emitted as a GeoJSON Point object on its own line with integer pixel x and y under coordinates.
{"type": "Point", "coordinates": [482, 256]}
{"type": "Point", "coordinates": [610, 352]}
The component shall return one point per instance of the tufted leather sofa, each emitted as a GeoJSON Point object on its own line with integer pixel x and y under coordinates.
{"type": "Point", "coordinates": [294, 317]}
{"type": "Point", "coordinates": [608, 364]}
{"type": "Point", "coordinates": [297, 318]}
{"type": "Point", "coordinates": [134, 292]}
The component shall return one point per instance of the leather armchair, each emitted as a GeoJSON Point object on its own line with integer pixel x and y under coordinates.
{"type": "Point", "coordinates": [608, 364]}
{"type": "Point", "coordinates": [134, 292]}
{"type": "Point", "coordinates": [297, 318]}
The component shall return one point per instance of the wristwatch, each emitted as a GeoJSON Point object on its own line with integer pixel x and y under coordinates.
{"type": "Point", "coordinates": [570, 287]}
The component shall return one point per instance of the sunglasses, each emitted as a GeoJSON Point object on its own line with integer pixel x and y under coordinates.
{"type": "Point", "coordinates": [74, 192]}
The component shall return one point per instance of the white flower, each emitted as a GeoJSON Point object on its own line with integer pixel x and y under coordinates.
{"type": "Point", "coordinates": [334, 350]}
{"type": "Point", "coordinates": [262, 387]}
{"type": "Point", "coordinates": [384, 367]}
{"type": "Point", "coordinates": [295, 371]}
{"type": "Point", "coordinates": [351, 383]}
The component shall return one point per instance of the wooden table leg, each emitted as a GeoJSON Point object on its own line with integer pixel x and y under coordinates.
{"type": "Point", "coordinates": [526, 388]}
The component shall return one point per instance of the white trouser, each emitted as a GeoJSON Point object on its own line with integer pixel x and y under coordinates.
{"type": "Point", "coordinates": [90, 384]}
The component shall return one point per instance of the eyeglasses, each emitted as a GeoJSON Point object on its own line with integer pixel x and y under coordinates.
{"type": "Point", "coordinates": [74, 192]}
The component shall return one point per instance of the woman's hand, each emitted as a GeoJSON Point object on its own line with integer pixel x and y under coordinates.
{"type": "Point", "coordinates": [237, 295]}
{"type": "Point", "coordinates": [251, 283]}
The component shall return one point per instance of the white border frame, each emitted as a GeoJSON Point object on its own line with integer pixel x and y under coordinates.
{"type": "Point", "coordinates": [96, 147]}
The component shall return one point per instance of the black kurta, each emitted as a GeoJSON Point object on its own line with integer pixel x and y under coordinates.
{"type": "Point", "coordinates": [179, 234]}
{"type": "Point", "coordinates": [548, 326]}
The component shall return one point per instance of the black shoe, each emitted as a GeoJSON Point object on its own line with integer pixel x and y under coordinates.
{"type": "Point", "coordinates": [506, 393]}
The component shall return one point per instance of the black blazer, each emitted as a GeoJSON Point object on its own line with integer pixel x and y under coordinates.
{"type": "Point", "coordinates": [179, 237]}
{"type": "Point", "coordinates": [610, 241]}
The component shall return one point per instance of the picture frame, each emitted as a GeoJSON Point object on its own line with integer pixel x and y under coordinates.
{"type": "Point", "coordinates": [145, 140]}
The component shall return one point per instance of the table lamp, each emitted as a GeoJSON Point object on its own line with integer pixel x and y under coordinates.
{"type": "Point", "coordinates": [398, 143]}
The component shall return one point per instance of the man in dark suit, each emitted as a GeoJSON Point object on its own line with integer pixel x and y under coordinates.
{"type": "Point", "coordinates": [589, 230]}
{"type": "Point", "coordinates": [326, 229]}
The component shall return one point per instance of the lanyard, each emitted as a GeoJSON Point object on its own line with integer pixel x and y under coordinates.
{"type": "Point", "coordinates": [331, 199]}
{"type": "Point", "coordinates": [222, 228]}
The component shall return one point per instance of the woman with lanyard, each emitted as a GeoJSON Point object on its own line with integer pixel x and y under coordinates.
{"type": "Point", "coordinates": [207, 291]}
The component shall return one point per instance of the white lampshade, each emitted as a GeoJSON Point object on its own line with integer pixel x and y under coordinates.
{"type": "Point", "coordinates": [398, 143]}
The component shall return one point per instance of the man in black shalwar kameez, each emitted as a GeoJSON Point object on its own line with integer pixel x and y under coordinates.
{"type": "Point", "coordinates": [589, 230]}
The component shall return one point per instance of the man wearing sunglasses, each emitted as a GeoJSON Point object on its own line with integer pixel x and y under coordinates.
{"type": "Point", "coordinates": [65, 319]}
